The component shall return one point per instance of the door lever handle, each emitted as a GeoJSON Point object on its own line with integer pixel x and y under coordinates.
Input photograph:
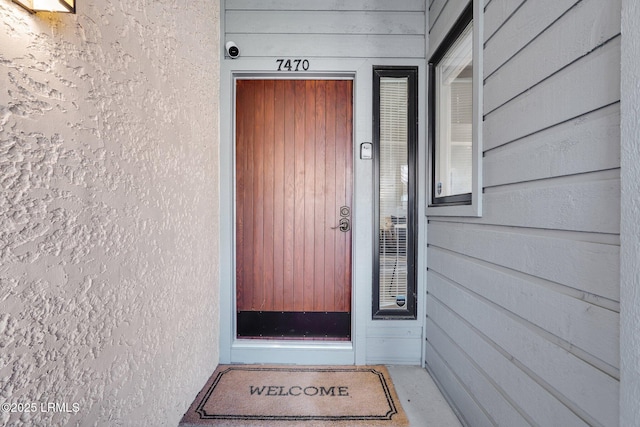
{"type": "Point", "coordinates": [344, 225]}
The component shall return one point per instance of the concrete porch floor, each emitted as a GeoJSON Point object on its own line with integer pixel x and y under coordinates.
{"type": "Point", "coordinates": [422, 401]}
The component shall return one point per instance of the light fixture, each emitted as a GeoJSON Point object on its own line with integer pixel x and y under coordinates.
{"type": "Point", "coordinates": [64, 6]}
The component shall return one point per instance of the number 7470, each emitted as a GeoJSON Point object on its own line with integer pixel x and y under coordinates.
{"type": "Point", "coordinates": [292, 64]}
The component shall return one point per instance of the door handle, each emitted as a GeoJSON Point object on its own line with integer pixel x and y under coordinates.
{"type": "Point", "coordinates": [345, 223]}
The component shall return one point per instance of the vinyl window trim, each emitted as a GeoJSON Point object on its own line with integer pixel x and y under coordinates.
{"type": "Point", "coordinates": [469, 204]}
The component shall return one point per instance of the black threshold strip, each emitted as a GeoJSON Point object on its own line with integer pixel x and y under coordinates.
{"type": "Point", "coordinates": [316, 324]}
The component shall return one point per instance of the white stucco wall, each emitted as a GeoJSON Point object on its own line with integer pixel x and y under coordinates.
{"type": "Point", "coordinates": [108, 210]}
{"type": "Point", "coordinates": [630, 221]}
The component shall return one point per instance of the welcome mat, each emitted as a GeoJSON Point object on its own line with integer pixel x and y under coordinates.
{"type": "Point", "coordinates": [259, 395]}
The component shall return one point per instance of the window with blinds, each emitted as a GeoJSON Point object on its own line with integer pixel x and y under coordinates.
{"type": "Point", "coordinates": [395, 112]}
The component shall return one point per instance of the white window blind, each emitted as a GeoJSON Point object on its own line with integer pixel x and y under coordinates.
{"type": "Point", "coordinates": [394, 191]}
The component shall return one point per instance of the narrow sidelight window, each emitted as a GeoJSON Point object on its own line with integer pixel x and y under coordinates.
{"type": "Point", "coordinates": [395, 133]}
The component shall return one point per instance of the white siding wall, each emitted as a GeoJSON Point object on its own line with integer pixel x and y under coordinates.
{"type": "Point", "coordinates": [523, 303]}
{"type": "Point", "coordinates": [327, 29]}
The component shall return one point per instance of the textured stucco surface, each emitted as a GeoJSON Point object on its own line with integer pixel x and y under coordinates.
{"type": "Point", "coordinates": [630, 221]}
{"type": "Point", "coordinates": [108, 210]}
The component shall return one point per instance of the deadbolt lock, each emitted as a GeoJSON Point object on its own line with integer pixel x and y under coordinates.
{"type": "Point", "coordinates": [345, 223]}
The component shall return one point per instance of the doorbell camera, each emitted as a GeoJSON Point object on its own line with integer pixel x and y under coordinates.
{"type": "Point", "coordinates": [232, 49]}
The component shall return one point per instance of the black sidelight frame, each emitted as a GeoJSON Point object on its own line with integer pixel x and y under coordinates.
{"type": "Point", "coordinates": [409, 310]}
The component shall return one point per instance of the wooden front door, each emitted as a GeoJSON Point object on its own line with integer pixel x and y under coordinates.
{"type": "Point", "coordinates": [293, 208]}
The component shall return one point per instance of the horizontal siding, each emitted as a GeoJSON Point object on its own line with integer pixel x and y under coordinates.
{"type": "Point", "coordinates": [313, 5]}
{"type": "Point", "coordinates": [330, 46]}
{"type": "Point", "coordinates": [443, 14]}
{"type": "Point", "coordinates": [477, 382]}
{"type": "Point", "coordinates": [569, 93]}
{"type": "Point", "coordinates": [456, 391]}
{"type": "Point", "coordinates": [326, 29]}
{"type": "Point", "coordinates": [577, 203]}
{"type": "Point", "coordinates": [435, 9]}
{"type": "Point", "coordinates": [525, 69]}
{"type": "Point", "coordinates": [333, 22]}
{"type": "Point", "coordinates": [584, 144]}
{"type": "Point", "coordinates": [580, 268]}
{"type": "Point", "coordinates": [520, 29]}
{"type": "Point", "coordinates": [527, 296]}
{"type": "Point", "coordinates": [589, 392]}
{"type": "Point", "coordinates": [530, 397]}
{"type": "Point", "coordinates": [572, 203]}
{"type": "Point", "coordinates": [577, 326]}
{"type": "Point", "coordinates": [497, 12]}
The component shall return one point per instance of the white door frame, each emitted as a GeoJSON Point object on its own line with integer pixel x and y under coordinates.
{"type": "Point", "coordinates": [233, 350]}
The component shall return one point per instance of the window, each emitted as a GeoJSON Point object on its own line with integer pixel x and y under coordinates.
{"type": "Point", "coordinates": [454, 92]}
{"type": "Point", "coordinates": [395, 144]}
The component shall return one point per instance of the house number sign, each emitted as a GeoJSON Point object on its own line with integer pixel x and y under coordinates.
{"type": "Point", "coordinates": [292, 64]}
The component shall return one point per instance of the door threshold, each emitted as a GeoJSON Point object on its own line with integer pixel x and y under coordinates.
{"type": "Point", "coordinates": [296, 352]}
{"type": "Point", "coordinates": [292, 344]}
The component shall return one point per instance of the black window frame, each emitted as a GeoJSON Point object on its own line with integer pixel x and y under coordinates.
{"type": "Point", "coordinates": [409, 311]}
{"type": "Point", "coordinates": [452, 36]}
